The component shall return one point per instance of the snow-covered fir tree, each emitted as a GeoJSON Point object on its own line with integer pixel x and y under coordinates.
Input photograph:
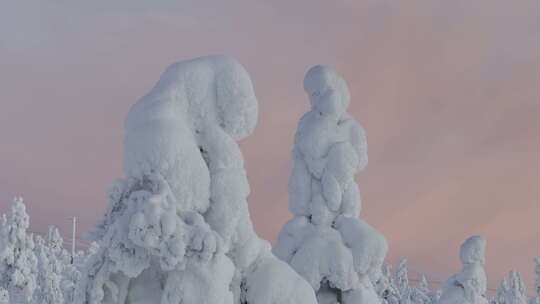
{"type": "Point", "coordinates": [421, 294]}
{"type": "Point", "coordinates": [18, 263]}
{"type": "Point", "coordinates": [469, 286]}
{"type": "Point", "coordinates": [325, 242]}
{"type": "Point", "coordinates": [502, 292]}
{"type": "Point", "coordinates": [49, 278]}
{"type": "Point", "coordinates": [402, 283]}
{"type": "Point", "coordinates": [516, 289]}
{"type": "Point", "coordinates": [177, 228]}
{"type": "Point", "coordinates": [385, 286]}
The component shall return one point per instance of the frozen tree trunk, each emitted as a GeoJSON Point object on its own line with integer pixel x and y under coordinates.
{"type": "Point", "coordinates": [177, 229]}
{"type": "Point", "coordinates": [469, 286]}
{"type": "Point", "coordinates": [325, 242]}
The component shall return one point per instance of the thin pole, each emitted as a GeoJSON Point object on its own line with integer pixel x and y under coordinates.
{"type": "Point", "coordinates": [73, 239]}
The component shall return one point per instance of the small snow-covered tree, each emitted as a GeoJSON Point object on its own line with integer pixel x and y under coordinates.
{"type": "Point", "coordinates": [516, 289]}
{"type": "Point", "coordinates": [421, 293]}
{"type": "Point", "coordinates": [402, 282]}
{"type": "Point", "coordinates": [18, 263]}
{"type": "Point", "coordinates": [536, 298]}
{"type": "Point", "coordinates": [177, 228]}
{"type": "Point", "coordinates": [502, 292]}
{"type": "Point", "coordinates": [385, 286]}
{"type": "Point", "coordinates": [325, 242]}
{"type": "Point", "coordinates": [469, 286]}
{"type": "Point", "coordinates": [49, 276]}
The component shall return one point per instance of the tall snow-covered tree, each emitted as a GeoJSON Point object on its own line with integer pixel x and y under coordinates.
{"type": "Point", "coordinates": [325, 242]}
{"type": "Point", "coordinates": [18, 263]}
{"type": "Point", "coordinates": [177, 228]}
{"type": "Point", "coordinates": [469, 286]}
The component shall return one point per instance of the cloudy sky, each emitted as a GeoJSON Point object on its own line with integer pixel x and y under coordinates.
{"type": "Point", "coordinates": [448, 92]}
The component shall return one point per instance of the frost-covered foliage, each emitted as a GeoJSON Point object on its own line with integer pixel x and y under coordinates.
{"type": "Point", "coordinates": [18, 263]}
{"type": "Point", "coordinates": [177, 228]}
{"type": "Point", "coordinates": [325, 242]}
{"type": "Point", "coordinates": [469, 286]}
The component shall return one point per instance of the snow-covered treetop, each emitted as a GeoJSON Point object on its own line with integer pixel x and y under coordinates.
{"type": "Point", "coordinates": [473, 250]}
{"type": "Point", "coordinates": [323, 84]}
{"type": "Point", "coordinates": [214, 89]}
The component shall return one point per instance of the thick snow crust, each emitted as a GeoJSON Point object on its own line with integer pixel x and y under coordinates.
{"type": "Point", "coordinates": [177, 229]}
{"type": "Point", "coordinates": [468, 286]}
{"type": "Point", "coordinates": [325, 242]}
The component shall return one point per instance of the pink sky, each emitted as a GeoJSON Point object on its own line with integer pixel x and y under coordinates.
{"type": "Point", "coordinates": [447, 91]}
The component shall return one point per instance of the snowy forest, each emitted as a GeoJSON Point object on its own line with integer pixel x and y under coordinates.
{"type": "Point", "coordinates": [177, 228]}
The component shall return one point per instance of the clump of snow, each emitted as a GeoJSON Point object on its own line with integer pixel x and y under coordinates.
{"type": "Point", "coordinates": [325, 242]}
{"type": "Point", "coordinates": [468, 286]}
{"type": "Point", "coordinates": [177, 229]}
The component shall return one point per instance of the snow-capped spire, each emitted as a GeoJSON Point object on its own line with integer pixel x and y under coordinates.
{"type": "Point", "coordinates": [177, 229]}
{"type": "Point", "coordinates": [469, 286]}
{"type": "Point", "coordinates": [338, 254]}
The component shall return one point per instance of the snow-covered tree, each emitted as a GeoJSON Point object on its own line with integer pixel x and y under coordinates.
{"type": "Point", "coordinates": [385, 286]}
{"type": "Point", "coordinates": [469, 286]}
{"type": "Point", "coordinates": [177, 228]}
{"type": "Point", "coordinates": [536, 299]}
{"type": "Point", "coordinates": [325, 242]}
{"type": "Point", "coordinates": [18, 263]}
{"type": "Point", "coordinates": [49, 276]}
{"type": "Point", "coordinates": [502, 292]}
{"type": "Point", "coordinates": [516, 290]}
{"type": "Point", "coordinates": [402, 283]}
{"type": "Point", "coordinates": [421, 293]}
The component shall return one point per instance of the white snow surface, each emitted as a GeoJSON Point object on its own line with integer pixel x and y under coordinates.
{"type": "Point", "coordinates": [469, 286]}
{"type": "Point", "coordinates": [177, 229]}
{"type": "Point", "coordinates": [337, 253]}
